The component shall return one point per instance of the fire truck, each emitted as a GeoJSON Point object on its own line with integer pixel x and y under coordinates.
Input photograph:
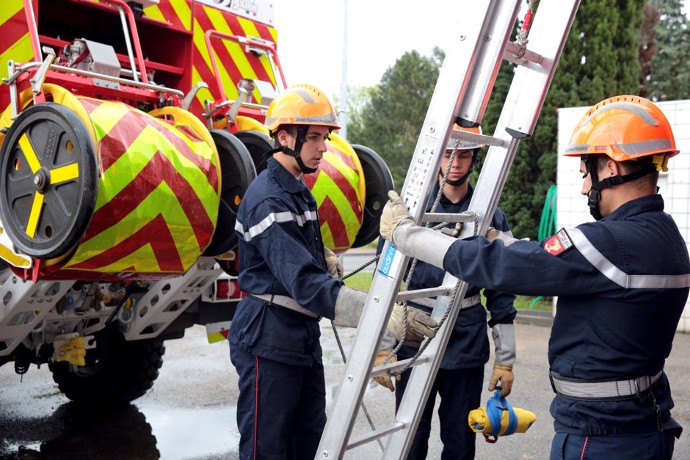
{"type": "Point", "coordinates": [129, 132]}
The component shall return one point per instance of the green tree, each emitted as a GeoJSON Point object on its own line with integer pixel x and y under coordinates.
{"type": "Point", "coordinates": [665, 51]}
{"type": "Point", "coordinates": [391, 119]}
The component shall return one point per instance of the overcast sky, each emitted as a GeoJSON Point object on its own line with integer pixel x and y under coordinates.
{"type": "Point", "coordinates": [310, 37]}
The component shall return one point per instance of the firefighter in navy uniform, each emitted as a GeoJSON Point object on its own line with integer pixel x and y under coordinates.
{"type": "Point", "coordinates": [274, 336]}
{"type": "Point", "coordinates": [461, 374]}
{"type": "Point", "coordinates": [622, 283]}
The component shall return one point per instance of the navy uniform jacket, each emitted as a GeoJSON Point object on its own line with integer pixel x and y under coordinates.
{"type": "Point", "coordinates": [468, 345]}
{"type": "Point", "coordinates": [281, 252]}
{"type": "Point", "coordinates": [621, 284]}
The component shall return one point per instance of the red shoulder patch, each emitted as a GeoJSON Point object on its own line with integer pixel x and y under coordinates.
{"type": "Point", "coordinates": [558, 243]}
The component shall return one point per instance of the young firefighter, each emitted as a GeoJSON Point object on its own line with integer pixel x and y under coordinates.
{"type": "Point", "coordinates": [274, 337]}
{"type": "Point", "coordinates": [622, 283]}
{"type": "Point", "coordinates": [461, 374]}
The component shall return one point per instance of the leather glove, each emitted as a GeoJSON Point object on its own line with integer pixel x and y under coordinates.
{"type": "Point", "coordinates": [419, 324]}
{"type": "Point", "coordinates": [393, 213]}
{"type": "Point", "coordinates": [335, 267]}
{"type": "Point", "coordinates": [418, 242]}
{"type": "Point", "coordinates": [504, 346]}
{"type": "Point", "coordinates": [507, 237]}
{"type": "Point", "coordinates": [385, 379]}
{"type": "Point", "coordinates": [504, 374]}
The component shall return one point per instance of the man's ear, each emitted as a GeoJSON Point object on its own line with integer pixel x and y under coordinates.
{"type": "Point", "coordinates": [612, 169]}
{"type": "Point", "coordinates": [282, 137]}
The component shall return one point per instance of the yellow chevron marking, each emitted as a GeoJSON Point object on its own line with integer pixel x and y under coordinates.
{"type": "Point", "coordinates": [139, 154]}
{"type": "Point", "coordinates": [154, 12]}
{"type": "Point", "coordinates": [325, 186]}
{"type": "Point", "coordinates": [143, 260]}
{"type": "Point", "coordinates": [250, 30]}
{"type": "Point", "coordinates": [9, 9]}
{"type": "Point", "coordinates": [34, 215]}
{"type": "Point", "coordinates": [64, 173]}
{"type": "Point", "coordinates": [105, 117]}
{"type": "Point", "coordinates": [184, 13]}
{"type": "Point", "coordinates": [204, 94]}
{"type": "Point", "coordinates": [162, 202]}
{"type": "Point", "coordinates": [29, 153]}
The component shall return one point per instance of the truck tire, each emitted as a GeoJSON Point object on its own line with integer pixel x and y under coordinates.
{"type": "Point", "coordinates": [116, 373]}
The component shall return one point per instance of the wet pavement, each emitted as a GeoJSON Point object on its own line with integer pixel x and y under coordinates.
{"type": "Point", "coordinates": [189, 413]}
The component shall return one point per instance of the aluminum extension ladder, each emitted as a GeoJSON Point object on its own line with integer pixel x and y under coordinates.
{"type": "Point", "coordinates": [463, 88]}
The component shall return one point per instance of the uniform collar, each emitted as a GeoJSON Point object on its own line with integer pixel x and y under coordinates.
{"type": "Point", "coordinates": [637, 206]}
{"type": "Point", "coordinates": [286, 180]}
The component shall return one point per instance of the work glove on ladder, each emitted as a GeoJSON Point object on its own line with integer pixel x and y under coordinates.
{"type": "Point", "coordinates": [385, 350]}
{"type": "Point", "coordinates": [419, 324]}
{"type": "Point", "coordinates": [350, 303]}
{"type": "Point", "coordinates": [335, 267]}
{"type": "Point", "coordinates": [504, 347]}
{"type": "Point", "coordinates": [348, 310]}
{"type": "Point", "coordinates": [418, 242]}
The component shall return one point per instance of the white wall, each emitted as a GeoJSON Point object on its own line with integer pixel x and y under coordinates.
{"type": "Point", "coordinates": [674, 185]}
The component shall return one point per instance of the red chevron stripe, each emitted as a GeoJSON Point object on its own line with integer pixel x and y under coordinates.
{"type": "Point", "coordinates": [170, 15]}
{"type": "Point", "coordinates": [158, 170]}
{"type": "Point", "coordinates": [129, 127]}
{"type": "Point", "coordinates": [335, 223]}
{"type": "Point", "coordinates": [265, 32]}
{"type": "Point", "coordinates": [156, 233]}
{"type": "Point", "coordinates": [254, 61]}
{"type": "Point", "coordinates": [12, 30]}
{"type": "Point", "coordinates": [222, 55]}
{"type": "Point", "coordinates": [340, 180]}
{"type": "Point", "coordinates": [205, 74]}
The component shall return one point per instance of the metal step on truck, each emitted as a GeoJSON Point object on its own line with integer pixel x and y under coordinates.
{"type": "Point", "coordinates": [129, 132]}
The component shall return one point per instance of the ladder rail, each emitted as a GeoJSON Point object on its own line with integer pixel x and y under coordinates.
{"type": "Point", "coordinates": [467, 75]}
{"type": "Point", "coordinates": [530, 80]}
{"type": "Point", "coordinates": [425, 162]}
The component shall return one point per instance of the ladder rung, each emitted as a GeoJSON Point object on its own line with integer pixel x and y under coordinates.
{"type": "Point", "coordinates": [449, 217]}
{"type": "Point", "coordinates": [394, 366]}
{"type": "Point", "coordinates": [426, 292]}
{"type": "Point", "coordinates": [376, 434]}
{"type": "Point", "coordinates": [520, 55]}
{"type": "Point", "coordinates": [478, 138]}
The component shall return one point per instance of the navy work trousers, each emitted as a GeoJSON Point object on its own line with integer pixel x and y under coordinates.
{"type": "Point", "coordinates": [281, 410]}
{"type": "Point", "coordinates": [639, 446]}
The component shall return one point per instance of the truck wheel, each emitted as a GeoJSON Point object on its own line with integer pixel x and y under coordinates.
{"type": "Point", "coordinates": [116, 373]}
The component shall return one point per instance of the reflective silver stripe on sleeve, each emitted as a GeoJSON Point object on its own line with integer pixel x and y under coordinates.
{"type": "Point", "coordinates": [274, 217]}
{"type": "Point", "coordinates": [618, 276]}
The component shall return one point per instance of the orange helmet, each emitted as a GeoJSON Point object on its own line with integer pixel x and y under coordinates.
{"type": "Point", "coordinates": [301, 105]}
{"type": "Point", "coordinates": [460, 144]}
{"type": "Point", "coordinates": [624, 128]}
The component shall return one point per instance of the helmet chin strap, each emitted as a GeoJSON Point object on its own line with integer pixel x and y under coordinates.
{"type": "Point", "coordinates": [463, 179]}
{"type": "Point", "coordinates": [460, 181]}
{"type": "Point", "coordinates": [299, 140]}
{"type": "Point", "coordinates": [594, 195]}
